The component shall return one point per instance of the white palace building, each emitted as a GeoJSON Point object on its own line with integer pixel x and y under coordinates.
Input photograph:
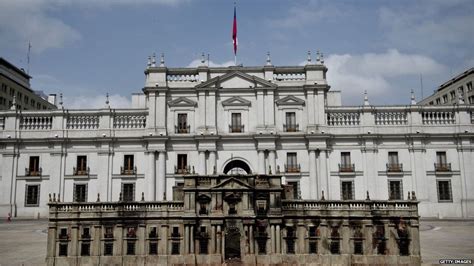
{"type": "Point", "coordinates": [281, 120]}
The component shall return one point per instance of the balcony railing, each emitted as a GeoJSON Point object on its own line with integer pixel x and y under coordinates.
{"type": "Point", "coordinates": [182, 171]}
{"type": "Point", "coordinates": [33, 172]}
{"type": "Point", "coordinates": [127, 171]}
{"type": "Point", "coordinates": [80, 171]}
{"type": "Point", "coordinates": [346, 168]}
{"type": "Point", "coordinates": [442, 167]}
{"type": "Point", "coordinates": [394, 167]}
{"type": "Point", "coordinates": [182, 130]}
{"type": "Point", "coordinates": [236, 128]}
{"type": "Point", "coordinates": [292, 168]}
{"type": "Point", "coordinates": [291, 128]}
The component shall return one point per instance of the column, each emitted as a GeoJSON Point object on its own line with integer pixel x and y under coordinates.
{"type": "Point", "coordinates": [161, 188]}
{"type": "Point", "coordinates": [312, 174]}
{"type": "Point", "coordinates": [218, 238]}
{"type": "Point", "coordinates": [323, 173]}
{"type": "Point", "coordinates": [310, 106]}
{"type": "Point", "coordinates": [261, 162]}
{"type": "Point", "coordinates": [251, 240]}
{"type": "Point", "coordinates": [202, 109]}
{"type": "Point", "coordinates": [212, 163]}
{"type": "Point", "coordinates": [464, 184]}
{"type": "Point", "coordinates": [211, 110]}
{"type": "Point", "coordinates": [202, 163]}
{"type": "Point", "coordinates": [270, 109]}
{"type": "Point", "coordinates": [300, 234]}
{"type": "Point", "coordinates": [151, 119]}
{"type": "Point", "coordinates": [186, 239]}
{"type": "Point", "coordinates": [272, 160]}
{"type": "Point", "coordinates": [161, 110]}
{"type": "Point", "coordinates": [151, 193]}
{"type": "Point", "coordinates": [260, 109]}
{"type": "Point", "coordinates": [278, 239]}
{"type": "Point", "coordinates": [191, 240]}
{"type": "Point", "coordinates": [320, 110]}
{"type": "Point", "coordinates": [73, 247]}
{"type": "Point", "coordinates": [213, 240]}
{"type": "Point", "coordinates": [272, 231]}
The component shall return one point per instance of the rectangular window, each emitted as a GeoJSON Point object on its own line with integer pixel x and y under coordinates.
{"type": "Point", "coordinates": [395, 190]}
{"type": "Point", "coordinates": [296, 192]}
{"type": "Point", "coordinates": [290, 119]}
{"type": "Point", "coordinates": [346, 165]}
{"type": "Point", "coordinates": [153, 233]}
{"type": "Point", "coordinates": [63, 249]}
{"type": "Point", "coordinates": [262, 245]}
{"type": "Point", "coordinates": [182, 164]}
{"type": "Point", "coordinates": [393, 165]}
{"type": "Point", "coordinates": [313, 247]}
{"type": "Point", "coordinates": [130, 247]}
{"type": "Point", "coordinates": [358, 247]}
{"type": "Point", "coordinates": [469, 86]}
{"type": "Point", "coordinates": [175, 232]}
{"type": "Point", "coordinates": [290, 246]}
{"type": "Point", "coordinates": [335, 247]}
{"type": "Point", "coordinates": [86, 233]}
{"type": "Point", "coordinates": [153, 248]}
{"type": "Point", "coordinates": [347, 190]}
{"type": "Point", "coordinates": [128, 165]}
{"type": "Point", "coordinates": [182, 123]}
{"type": "Point", "coordinates": [203, 246]}
{"type": "Point", "coordinates": [291, 163]}
{"type": "Point", "coordinates": [80, 192]}
{"type": "Point", "coordinates": [236, 123]}
{"type": "Point", "coordinates": [85, 248]}
{"type": "Point", "coordinates": [32, 195]}
{"type": "Point", "coordinates": [34, 169]}
{"type": "Point", "coordinates": [441, 162]}
{"type": "Point", "coordinates": [81, 165]}
{"type": "Point", "coordinates": [444, 191]}
{"type": "Point", "coordinates": [108, 248]}
{"type": "Point", "coordinates": [128, 192]}
{"type": "Point", "coordinates": [175, 248]}
{"type": "Point", "coordinates": [109, 232]}
{"type": "Point", "coordinates": [445, 98]}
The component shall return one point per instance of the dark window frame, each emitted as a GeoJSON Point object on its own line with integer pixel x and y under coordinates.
{"type": "Point", "coordinates": [126, 196]}
{"type": "Point", "coordinates": [442, 196]}
{"type": "Point", "coordinates": [35, 199]}
{"type": "Point", "coordinates": [392, 195]}
{"type": "Point", "coordinates": [350, 196]}
{"type": "Point", "coordinates": [80, 198]}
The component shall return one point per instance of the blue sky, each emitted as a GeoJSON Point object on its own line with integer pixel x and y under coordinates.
{"type": "Point", "coordinates": [87, 48]}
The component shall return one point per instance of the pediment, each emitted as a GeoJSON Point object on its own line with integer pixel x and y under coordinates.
{"type": "Point", "coordinates": [236, 80]}
{"type": "Point", "coordinates": [182, 101]}
{"type": "Point", "coordinates": [233, 184]}
{"type": "Point", "coordinates": [290, 100]}
{"type": "Point", "coordinates": [236, 101]}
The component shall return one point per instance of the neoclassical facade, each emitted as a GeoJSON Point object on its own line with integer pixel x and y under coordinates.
{"type": "Point", "coordinates": [247, 120]}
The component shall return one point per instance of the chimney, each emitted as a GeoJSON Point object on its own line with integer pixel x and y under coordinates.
{"type": "Point", "coordinates": [52, 99]}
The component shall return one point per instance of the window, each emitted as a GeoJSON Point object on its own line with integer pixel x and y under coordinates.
{"type": "Point", "coordinates": [85, 248]}
{"type": "Point", "coordinates": [86, 233]}
{"type": "Point", "coordinates": [395, 190]}
{"type": "Point", "coordinates": [182, 124]}
{"type": "Point", "coordinates": [203, 246]}
{"type": "Point", "coordinates": [109, 232]}
{"type": "Point", "coordinates": [236, 123]}
{"type": "Point", "coordinates": [346, 165]}
{"type": "Point", "coordinates": [175, 232]}
{"type": "Point", "coordinates": [438, 101]}
{"type": "Point", "coordinates": [347, 190]}
{"type": "Point", "coordinates": [445, 98]}
{"type": "Point", "coordinates": [313, 247]}
{"type": "Point", "coordinates": [128, 192]}
{"type": "Point", "coordinates": [441, 162]}
{"type": "Point", "coordinates": [34, 169]}
{"type": "Point", "coordinates": [291, 163]}
{"type": "Point", "coordinates": [461, 90]}
{"type": "Point", "coordinates": [153, 248]}
{"type": "Point", "coordinates": [295, 187]}
{"type": "Point", "coordinates": [81, 165]}
{"type": "Point", "coordinates": [290, 240]}
{"type": "Point", "coordinates": [153, 233]}
{"type": "Point", "coordinates": [175, 248]}
{"type": "Point", "coordinates": [80, 192]}
{"type": "Point", "coordinates": [469, 86]}
{"type": "Point", "coordinates": [128, 166]}
{"type": "Point", "coordinates": [358, 247]}
{"type": "Point", "coordinates": [182, 164]}
{"type": "Point", "coordinates": [32, 195]}
{"type": "Point", "coordinates": [262, 245]}
{"type": "Point", "coordinates": [63, 233]}
{"type": "Point", "coordinates": [453, 95]}
{"type": "Point", "coordinates": [130, 247]}
{"type": "Point", "coordinates": [444, 191]}
{"type": "Point", "coordinates": [290, 125]}
{"type": "Point", "coordinates": [108, 248]}
{"type": "Point", "coordinates": [393, 165]}
{"type": "Point", "coordinates": [63, 249]}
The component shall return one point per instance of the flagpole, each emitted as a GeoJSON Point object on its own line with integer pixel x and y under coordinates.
{"type": "Point", "coordinates": [235, 59]}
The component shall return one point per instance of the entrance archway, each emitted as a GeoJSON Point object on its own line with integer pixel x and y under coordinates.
{"type": "Point", "coordinates": [237, 167]}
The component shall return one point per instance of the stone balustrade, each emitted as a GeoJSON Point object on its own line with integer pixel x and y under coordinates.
{"type": "Point", "coordinates": [129, 121]}
{"type": "Point", "coordinates": [79, 121]}
{"type": "Point", "coordinates": [439, 117]}
{"type": "Point", "coordinates": [182, 77]}
{"type": "Point", "coordinates": [289, 76]}
{"type": "Point", "coordinates": [343, 118]}
{"type": "Point", "coordinates": [36, 122]}
{"type": "Point", "coordinates": [59, 209]}
{"type": "Point", "coordinates": [367, 205]}
{"type": "Point", "coordinates": [391, 118]}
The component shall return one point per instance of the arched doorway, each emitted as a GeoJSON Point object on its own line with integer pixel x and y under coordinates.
{"type": "Point", "coordinates": [237, 167]}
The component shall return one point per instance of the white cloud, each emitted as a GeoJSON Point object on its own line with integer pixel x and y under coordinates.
{"type": "Point", "coordinates": [197, 62]}
{"type": "Point", "coordinates": [96, 101]}
{"type": "Point", "coordinates": [352, 74]}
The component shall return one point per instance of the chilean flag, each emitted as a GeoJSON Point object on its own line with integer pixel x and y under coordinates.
{"type": "Point", "coordinates": [234, 32]}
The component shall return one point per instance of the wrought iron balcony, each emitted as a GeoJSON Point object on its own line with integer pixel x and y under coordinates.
{"type": "Point", "coordinates": [292, 168]}
{"type": "Point", "coordinates": [182, 171]}
{"type": "Point", "coordinates": [394, 167]}
{"type": "Point", "coordinates": [236, 128]}
{"type": "Point", "coordinates": [346, 168]}
{"type": "Point", "coordinates": [127, 171]}
{"type": "Point", "coordinates": [442, 167]}
{"type": "Point", "coordinates": [80, 171]}
{"type": "Point", "coordinates": [291, 127]}
{"type": "Point", "coordinates": [33, 172]}
{"type": "Point", "coordinates": [182, 130]}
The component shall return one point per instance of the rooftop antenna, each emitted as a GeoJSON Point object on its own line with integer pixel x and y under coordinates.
{"type": "Point", "coordinates": [208, 60]}
{"type": "Point", "coordinates": [421, 86]}
{"type": "Point", "coordinates": [28, 59]}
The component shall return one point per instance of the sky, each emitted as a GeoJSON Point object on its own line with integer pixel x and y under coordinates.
{"type": "Point", "coordinates": [87, 48]}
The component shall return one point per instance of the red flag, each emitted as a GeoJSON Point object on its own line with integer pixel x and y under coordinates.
{"type": "Point", "coordinates": [234, 32]}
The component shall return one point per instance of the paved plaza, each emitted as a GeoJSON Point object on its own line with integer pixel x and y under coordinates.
{"type": "Point", "coordinates": [23, 242]}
